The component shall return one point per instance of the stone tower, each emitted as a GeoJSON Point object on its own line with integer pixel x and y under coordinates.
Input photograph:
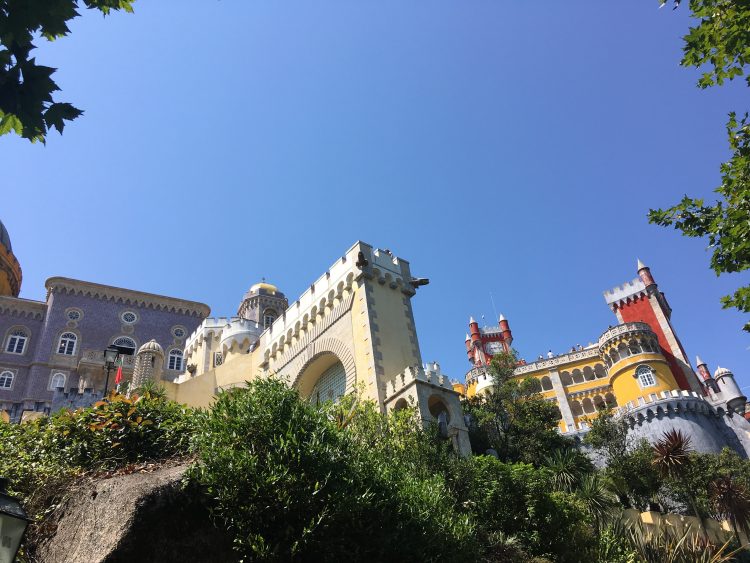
{"type": "Point", "coordinates": [262, 304]}
{"type": "Point", "coordinates": [149, 363]}
{"type": "Point", "coordinates": [10, 269]}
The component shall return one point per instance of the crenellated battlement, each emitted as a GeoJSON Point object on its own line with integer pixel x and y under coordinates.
{"type": "Point", "coordinates": [624, 291]}
{"type": "Point", "coordinates": [415, 373]}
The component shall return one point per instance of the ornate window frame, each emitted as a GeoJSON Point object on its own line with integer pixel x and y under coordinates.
{"type": "Point", "coordinates": [72, 312]}
{"type": "Point", "coordinates": [4, 374]}
{"type": "Point", "coordinates": [10, 335]}
{"type": "Point", "coordinates": [175, 360]}
{"type": "Point", "coordinates": [67, 350]}
{"type": "Point", "coordinates": [53, 374]}
{"type": "Point", "coordinates": [125, 337]}
{"type": "Point", "coordinates": [646, 376]}
{"type": "Point", "coordinates": [136, 317]}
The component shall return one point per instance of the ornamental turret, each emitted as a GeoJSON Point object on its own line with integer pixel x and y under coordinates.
{"type": "Point", "coordinates": [10, 269]}
{"type": "Point", "coordinates": [507, 335]}
{"type": "Point", "coordinates": [705, 374]}
{"type": "Point", "coordinates": [263, 304]}
{"type": "Point", "coordinates": [730, 391]}
{"type": "Point", "coordinates": [149, 363]}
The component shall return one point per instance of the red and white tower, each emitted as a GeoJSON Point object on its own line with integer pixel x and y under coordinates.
{"type": "Point", "coordinates": [641, 301]}
{"type": "Point", "coordinates": [483, 343]}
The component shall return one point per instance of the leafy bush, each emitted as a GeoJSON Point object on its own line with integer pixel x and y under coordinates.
{"type": "Point", "coordinates": [292, 481]}
{"type": "Point", "coordinates": [40, 456]}
{"type": "Point", "coordinates": [520, 500]}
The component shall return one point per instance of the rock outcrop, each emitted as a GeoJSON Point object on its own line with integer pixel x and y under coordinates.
{"type": "Point", "coordinates": [143, 517]}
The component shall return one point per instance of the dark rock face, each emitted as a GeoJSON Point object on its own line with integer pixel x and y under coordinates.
{"type": "Point", "coordinates": [140, 517]}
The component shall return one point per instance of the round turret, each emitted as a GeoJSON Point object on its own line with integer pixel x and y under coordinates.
{"type": "Point", "coordinates": [149, 363]}
{"type": "Point", "coordinates": [263, 304]}
{"type": "Point", "coordinates": [10, 269]}
{"type": "Point", "coordinates": [153, 347]}
{"type": "Point", "coordinates": [238, 336]}
{"type": "Point", "coordinates": [634, 361]}
{"type": "Point", "coordinates": [730, 391]}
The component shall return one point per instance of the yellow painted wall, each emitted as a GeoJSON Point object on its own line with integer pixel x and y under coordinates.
{"type": "Point", "coordinates": [627, 387]}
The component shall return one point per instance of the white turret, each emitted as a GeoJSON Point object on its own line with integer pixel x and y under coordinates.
{"type": "Point", "coordinates": [730, 391]}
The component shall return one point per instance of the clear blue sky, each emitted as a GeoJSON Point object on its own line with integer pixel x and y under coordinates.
{"type": "Point", "coordinates": [504, 147]}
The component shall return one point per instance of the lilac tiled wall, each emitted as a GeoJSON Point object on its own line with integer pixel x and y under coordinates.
{"type": "Point", "coordinates": [99, 325]}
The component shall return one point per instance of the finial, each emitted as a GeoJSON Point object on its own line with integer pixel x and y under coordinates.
{"type": "Point", "coordinates": [699, 362]}
{"type": "Point", "coordinates": [467, 337]}
{"type": "Point", "coordinates": [641, 265]}
{"type": "Point", "coordinates": [471, 320]}
{"type": "Point", "coordinates": [501, 317]}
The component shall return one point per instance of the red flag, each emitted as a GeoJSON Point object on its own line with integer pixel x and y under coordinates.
{"type": "Point", "coordinates": [118, 377]}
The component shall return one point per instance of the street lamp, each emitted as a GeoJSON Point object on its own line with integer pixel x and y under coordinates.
{"type": "Point", "coordinates": [111, 353]}
{"type": "Point", "coordinates": [13, 522]}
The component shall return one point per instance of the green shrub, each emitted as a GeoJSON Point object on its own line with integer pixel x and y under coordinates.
{"type": "Point", "coordinates": [39, 457]}
{"type": "Point", "coordinates": [295, 482]}
{"type": "Point", "coordinates": [520, 500]}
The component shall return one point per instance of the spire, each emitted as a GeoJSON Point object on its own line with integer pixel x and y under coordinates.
{"type": "Point", "coordinates": [471, 320]}
{"type": "Point", "coordinates": [467, 337]}
{"type": "Point", "coordinates": [501, 318]}
{"type": "Point", "coordinates": [699, 362]}
{"type": "Point", "coordinates": [641, 265]}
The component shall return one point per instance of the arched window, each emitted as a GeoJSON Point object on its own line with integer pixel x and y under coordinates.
{"type": "Point", "coordinates": [17, 341]}
{"type": "Point", "coordinates": [546, 383]}
{"type": "Point", "coordinates": [622, 349]}
{"type": "Point", "coordinates": [57, 380]}
{"type": "Point", "coordinates": [126, 343]}
{"type": "Point", "coordinates": [609, 398]}
{"type": "Point", "coordinates": [600, 371]}
{"type": "Point", "coordinates": [6, 380]}
{"type": "Point", "coordinates": [588, 406]}
{"type": "Point", "coordinates": [67, 344]}
{"type": "Point", "coordinates": [175, 360]}
{"type": "Point", "coordinates": [588, 373]}
{"type": "Point", "coordinates": [645, 376]}
{"type": "Point", "coordinates": [599, 403]}
{"type": "Point", "coordinates": [634, 347]}
{"type": "Point", "coordinates": [565, 378]}
{"type": "Point", "coordinates": [577, 376]}
{"type": "Point", "coordinates": [575, 408]}
{"type": "Point", "coordinates": [331, 385]}
{"type": "Point", "coordinates": [269, 315]}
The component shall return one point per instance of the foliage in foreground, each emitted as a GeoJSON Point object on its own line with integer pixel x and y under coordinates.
{"type": "Point", "coordinates": [513, 419]}
{"type": "Point", "coordinates": [26, 88]}
{"type": "Point", "coordinates": [39, 457]}
{"type": "Point", "coordinates": [292, 481]}
{"type": "Point", "coordinates": [720, 45]}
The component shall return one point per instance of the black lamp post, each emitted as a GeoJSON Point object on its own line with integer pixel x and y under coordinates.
{"type": "Point", "coordinates": [13, 522]}
{"type": "Point", "coordinates": [111, 353]}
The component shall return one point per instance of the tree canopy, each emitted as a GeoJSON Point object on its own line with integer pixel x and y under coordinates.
{"type": "Point", "coordinates": [720, 44]}
{"type": "Point", "coordinates": [27, 106]}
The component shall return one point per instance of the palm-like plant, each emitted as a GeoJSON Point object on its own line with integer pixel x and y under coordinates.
{"type": "Point", "coordinates": [596, 497]}
{"type": "Point", "coordinates": [671, 458]}
{"type": "Point", "coordinates": [567, 468]}
{"type": "Point", "coordinates": [672, 454]}
{"type": "Point", "coordinates": [731, 500]}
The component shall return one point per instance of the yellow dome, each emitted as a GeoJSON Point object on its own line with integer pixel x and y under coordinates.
{"type": "Point", "coordinates": [270, 288]}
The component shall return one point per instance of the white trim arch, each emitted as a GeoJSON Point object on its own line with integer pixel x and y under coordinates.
{"type": "Point", "coordinates": [17, 340]}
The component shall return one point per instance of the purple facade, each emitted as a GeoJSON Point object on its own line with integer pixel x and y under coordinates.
{"type": "Point", "coordinates": [65, 338]}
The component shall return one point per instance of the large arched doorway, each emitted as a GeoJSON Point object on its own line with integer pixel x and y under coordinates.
{"type": "Point", "coordinates": [323, 380]}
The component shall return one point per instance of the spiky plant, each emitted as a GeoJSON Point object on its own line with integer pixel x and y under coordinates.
{"type": "Point", "coordinates": [597, 497]}
{"type": "Point", "coordinates": [671, 458]}
{"type": "Point", "coordinates": [730, 499]}
{"type": "Point", "coordinates": [567, 469]}
{"type": "Point", "coordinates": [672, 454]}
